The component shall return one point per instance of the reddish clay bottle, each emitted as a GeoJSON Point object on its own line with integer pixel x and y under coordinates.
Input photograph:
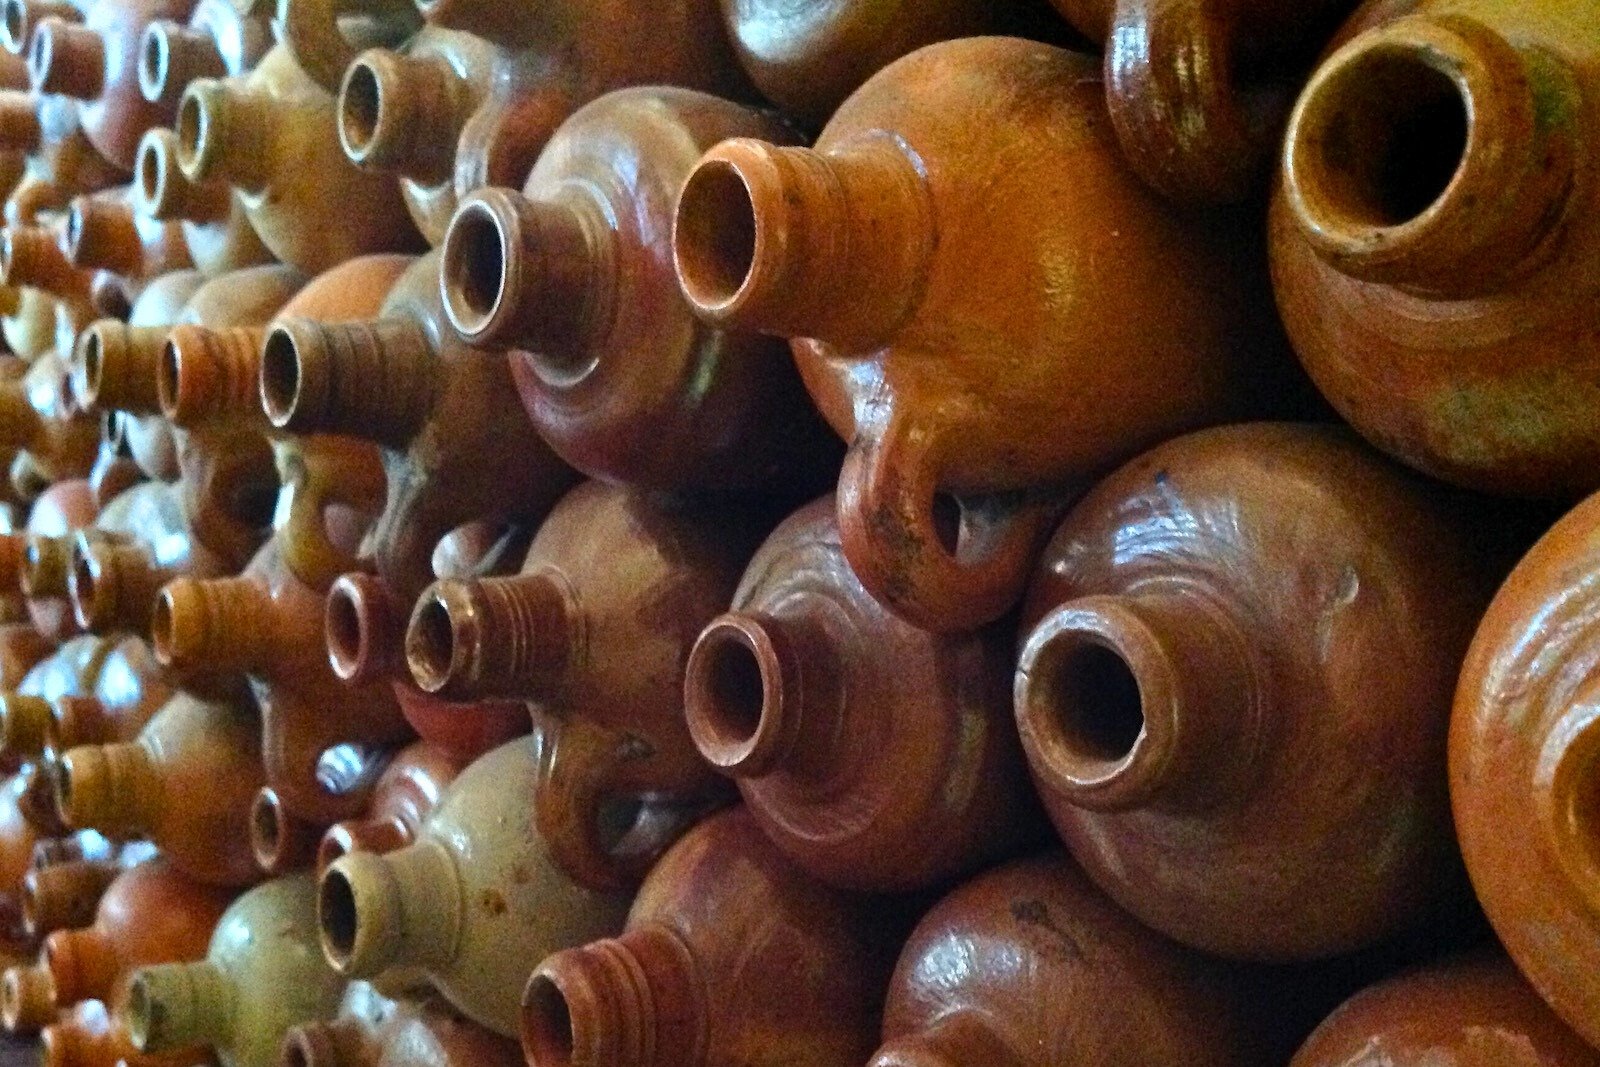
{"type": "Point", "coordinates": [95, 691]}
{"type": "Point", "coordinates": [440, 409]}
{"type": "Point", "coordinates": [104, 232]}
{"type": "Point", "coordinates": [151, 914]}
{"type": "Point", "coordinates": [576, 275]}
{"type": "Point", "coordinates": [1239, 655]}
{"type": "Point", "coordinates": [216, 227]}
{"type": "Point", "coordinates": [1475, 1011]}
{"type": "Point", "coordinates": [875, 755]}
{"type": "Point", "coordinates": [1433, 239]}
{"type": "Point", "coordinates": [1104, 321]}
{"type": "Point", "coordinates": [373, 1030]}
{"type": "Point", "coordinates": [97, 63]}
{"type": "Point", "coordinates": [267, 624]}
{"type": "Point", "coordinates": [1524, 763]}
{"type": "Point", "coordinates": [1030, 965]}
{"type": "Point", "coordinates": [220, 40]}
{"type": "Point", "coordinates": [186, 784]}
{"type": "Point", "coordinates": [405, 796]}
{"type": "Point", "coordinates": [90, 1036]}
{"type": "Point", "coordinates": [61, 509]}
{"type": "Point", "coordinates": [731, 956]}
{"type": "Point", "coordinates": [474, 902]}
{"type": "Point", "coordinates": [594, 633]}
{"type": "Point", "coordinates": [17, 839]}
{"type": "Point", "coordinates": [38, 417]}
{"type": "Point", "coordinates": [261, 976]}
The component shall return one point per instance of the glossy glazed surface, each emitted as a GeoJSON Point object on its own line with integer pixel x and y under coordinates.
{"type": "Point", "coordinates": [90, 1036]}
{"type": "Point", "coordinates": [374, 1030]}
{"type": "Point", "coordinates": [406, 794]}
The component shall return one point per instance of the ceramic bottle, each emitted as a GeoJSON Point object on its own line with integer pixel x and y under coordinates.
{"type": "Point", "coordinates": [64, 507]}
{"type": "Point", "coordinates": [17, 839]}
{"type": "Point", "coordinates": [271, 135]}
{"type": "Point", "coordinates": [103, 691]}
{"type": "Point", "coordinates": [1104, 320]}
{"type": "Point", "coordinates": [1029, 965]}
{"type": "Point", "coordinates": [266, 624]}
{"type": "Point", "coordinates": [325, 36]}
{"type": "Point", "coordinates": [443, 406]}
{"type": "Point", "coordinates": [373, 1029]}
{"type": "Point", "coordinates": [96, 62]}
{"type": "Point", "coordinates": [61, 160]}
{"type": "Point", "coordinates": [1524, 745]}
{"type": "Point", "coordinates": [104, 232]}
{"type": "Point", "coordinates": [1237, 662]}
{"type": "Point", "coordinates": [1432, 239]}
{"type": "Point", "coordinates": [90, 1036]}
{"type": "Point", "coordinates": [876, 756]}
{"type": "Point", "coordinates": [406, 795]}
{"type": "Point", "coordinates": [21, 17]}
{"type": "Point", "coordinates": [261, 975]}
{"type": "Point", "coordinates": [151, 914]}
{"type": "Point", "coordinates": [1473, 1011]}
{"type": "Point", "coordinates": [64, 895]}
{"type": "Point", "coordinates": [475, 901]}
{"type": "Point", "coordinates": [31, 257]}
{"type": "Point", "coordinates": [25, 711]}
{"type": "Point", "coordinates": [39, 419]}
{"type": "Point", "coordinates": [219, 40]}
{"type": "Point", "coordinates": [575, 275]}
{"type": "Point", "coordinates": [186, 784]}
{"type": "Point", "coordinates": [731, 955]}
{"type": "Point", "coordinates": [216, 227]}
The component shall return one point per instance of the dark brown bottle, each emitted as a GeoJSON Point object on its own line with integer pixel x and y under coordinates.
{"type": "Point", "coordinates": [104, 232]}
{"type": "Point", "coordinates": [875, 755]}
{"type": "Point", "coordinates": [732, 956]}
{"type": "Point", "coordinates": [374, 1030]}
{"type": "Point", "coordinates": [1239, 657]}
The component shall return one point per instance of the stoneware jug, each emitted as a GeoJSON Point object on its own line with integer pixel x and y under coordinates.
{"type": "Point", "coordinates": [1433, 238]}
{"type": "Point", "coordinates": [731, 956]}
{"type": "Point", "coordinates": [220, 40]}
{"type": "Point", "coordinates": [457, 445]}
{"type": "Point", "coordinates": [262, 975]}
{"type": "Point", "coordinates": [1473, 1011]}
{"type": "Point", "coordinates": [104, 232]}
{"type": "Point", "coordinates": [118, 689]}
{"type": "Point", "coordinates": [1525, 764]}
{"type": "Point", "coordinates": [91, 1036]}
{"type": "Point", "coordinates": [186, 784]}
{"type": "Point", "coordinates": [1104, 320]}
{"type": "Point", "coordinates": [374, 1030]}
{"type": "Point", "coordinates": [1234, 688]}
{"type": "Point", "coordinates": [594, 634]}
{"type": "Point", "coordinates": [407, 793]}
{"type": "Point", "coordinates": [575, 275]}
{"type": "Point", "coordinates": [875, 755]}
{"type": "Point", "coordinates": [216, 226]}
{"type": "Point", "coordinates": [474, 902]}
{"type": "Point", "coordinates": [271, 135]}
{"type": "Point", "coordinates": [66, 506]}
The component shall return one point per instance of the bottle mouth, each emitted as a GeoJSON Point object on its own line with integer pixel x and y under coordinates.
{"type": "Point", "coordinates": [338, 917]}
{"type": "Point", "coordinates": [547, 1038]}
{"type": "Point", "coordinates": [715, 236]}
{"type": "Point", "coordinates": [361, 110]}
{"type": "Point", "coordinates": [269, 829]}
{"type": "Point", "coordinates": [732, 684]}
{"type": "Point", "coordinates": [155, 62]}
{"type": "Point", "coordinates": [432, 651]}
{"type": "Point", "coordinates": [14, 26]}
{"type": "Point", "coordinates": [474, 269]}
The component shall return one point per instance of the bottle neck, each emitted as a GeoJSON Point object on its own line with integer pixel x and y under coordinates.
{"type": "Point", "coordinates": [75, 721]}
{"type": "Point", "coordinates": [114, 585]}
{"type": "Point", "coordinates": [226, 132]}
{"type": "Point", "coordinates": [27, 998]}
{"type": "Point", "coordinates": [46, 566]}
{"type": "Point", "coordinates": [115, 789]}
{"type": "Point", "coordinates": [20, 129]}
{"type": "Point", "coordinates": [956, 1040]}
{"type": "Point", "coordinates": [114, 367]}
{"type": "Point", "coordinates": [373, 380]}
{"type": "Point", "coordinates": [83, 964]}
{"type": "Point", "coordinates": [174, 1005]}
{"type": "Point", "coordinates": [509, 637]}
{"type": "Point", "coordinates": [403, 907]}
{"type": "Point", "coordinates": [64, 896]}
{"type": "Point", "coordinates": [377, 835]}
{"type": "Point", "coordinates": [208, 377]}
{"type": "Point", "coordinates": [171, 56]}
{"type": "Point", "coordinates": [1146, 700]}
{"type": "Point", "coordinates": [633, 1001]}
{"type": "Point", "coordinates": [165, 193]}
{"type": "Point", "coordinates": [103, 235]}
{"type": "Point", "coordinates": [403, 114]}
{"type": "Point", "coordinates": [30, 256]}
{"type": "Point", "coordinates": [212, 625]}
{"type": "Point", "coordinates": [65, 59]}
{"type": "Point", "coordinates": [340, 1043]}
{"type": "Point", "coordinates": [24, 725]}
{"type": "Point", "coordinates": [280, 842]}
{"type": "Point", "coordinates": [365, 629]}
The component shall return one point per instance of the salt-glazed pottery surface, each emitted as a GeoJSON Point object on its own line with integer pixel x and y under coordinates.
{"type": "Point", "coordinates": [152, 913]}
{"type": "Point", "coordinates": [221, 39]}
{"type": "Point", "coordinates": [109, 693]}
{"type": "Point", "coordinates": [406, 794]}
{"type": "Point", "coordinates": [475, 901]}
{"type": "Point", "coordinates": [62, 509]}
{"type": "Point", "coordinates": [262, 974]}
{"type": "Point", "coordinates": [90, 1036]}
{"type": "Point", "coordinates": [1525, 763]}
{"type": "Point", "coordinates": [594, 633]}
{"type": "Point", "coordinates": [17, 838]}
{"type": "Point", "coordinates": [1199, 90]}
{"type": "Point", "coordinates": [271, 135]}
{"type": "Point", "coordinates": [374, 1030]}
{"type": "Point", "coordinates": [1235, 682]}
{"type": "Point", "coordinates": [1104, 320]}
{"type": "Point", "coordinates": [267, 624]}
{"type": "Point", "coordinates": [1030, 966]}
{"type": "Point", "coordinates": [575, 274]}
{"type": "Point", "coordinates": [186, 784]}
{"type": "Point", "coordinates": [70, 669]}
{"type": "Point", "coordinates": [96, 61]}
{"type": "Point", "coordinates": [1434, 238]}
{"type": "Point", "coordinates": [457, 445]}
{"type": "Point", "coordinates": [874, 754]}
{"type": "Point", "coordinates": [38, 417]}
{"type": "Point", "coordinates": [1475, 1011]}
{"type": "Point", "coordinates": [103, 232]}
{"type": "Point", "coordinates": [732, 956]}
{"type": "Point", "coordinates": [216, 226]}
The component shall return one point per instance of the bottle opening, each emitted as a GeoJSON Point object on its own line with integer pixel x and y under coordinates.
{"type": "Point", "coordinates": [360, 107]}
{"type": "Point", "coordinates": [137, 1013]}
{"type": "Point", "coordinates": [39, 51]}
{"type": "Point", "coordinates": [431, 644]}
{"type": "Point", "coordinates": [715, 239]}
{"type": "Point", "coordinates": [169, 379]}
{"type": "Point", "coordinates": [1092, 697]}
{"type": "Point", "coordinates": [735, 692]}
{"type": "Point", "coordinates": [267, 831]}
{"type": "Point", "coordinates": [474, 268]}
{"type": "Point", "coordinates": [191, 126]}
{"type": "Point", "coordinates": [89, 372]}
{"type": "Point", "coordinates": [75, 230]}
{"type": "Point", "coordinates": [14, 24]}
{"type": "Point", "coordinates": [280, 376]}
{"type": "Point", "coordinates": [546, 1024]}
{"type": "Point", "coordinates": [154, 63]}
{"type": "Point", "coordinates": [149, 173]}
{"type": "Point", "coordinates": [83, 586]}
{"type": "Point", "coordinates": [11, 1000]}
{"type": "Point", "coordinates": [346, 634]}
{"type": "Point", "coordinates": [336, 912]}
{"type": "Point", "coordinates": [163, 634]}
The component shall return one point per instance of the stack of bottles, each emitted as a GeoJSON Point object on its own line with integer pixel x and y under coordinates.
{"type": "Point", "coordinates": [845, 533]}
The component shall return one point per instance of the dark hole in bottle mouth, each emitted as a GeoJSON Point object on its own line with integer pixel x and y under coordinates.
{"type": "Point", "coordinates": [431, 643]}
{"type": "Point", "coordinates": [475, 268]}
{"type": "Point", "coordinates": [347, 639]}
{"type": "Point", "coordinates": [150, 173]}
{"type": "Point", "coordinates": [735, 690]}
{"type": "Point", "coordinates": [280, 376]}
{"type": "Point", "coordinates": [716, 241]}
{"type": "Point", "coordinates": [336, 912]}
{"type": "Point", "coordinates": [154, 62]}
{"type": "Point", "coordinates": [360, 107]}
{"type": "Point", "coordinates": [547, 1023]}
{"type": "Point", "coordinates": [13, 24]}
{"type": "Point", "coordinates": [1094, 697]}
{"type": "Point", "coordinates": [191, 126]}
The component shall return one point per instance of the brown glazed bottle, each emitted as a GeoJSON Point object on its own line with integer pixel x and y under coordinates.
{"type": "Point", "coordinates": [25, 710]}
{"type": "Point", "coordinates": [271, 135]}
{"type": "Point", "coordinates": [186, 784]}
{"type": "Point", "coordinates": [220, 40]}
{"type": "Point", "coordinates": [1029, 965]}
{"type": "Point", "coordinates": [877, 756]}
{"type": "Point", "coordinates": [1433, 239]}
{"type": "Point", "coordinates": [39, 417]}
{"type": "Point", "coordinates": [152, 913]}
{"type": "Point", "coordinates": [216, 227]}
{"type": "Point", "coordinates": [1474, 1011]}
{"type": "Point", "coordinates": [475, 901]}
{"type": "Point", "coordinates": [104, 232]}
{"type": "Point", "coordinates": [1239, 655]}
{"type": "Point", "coordinates": [1199, 90]}
{"type": "Point", "coordinates": [96, 62]}
{"type": "Point", "coordinates": [731, 956]}
{"type": "Point", "coordinates": [373, 1030]}
{"type": "Point", "coordinates": [267, 624]}
{"type": "Point", "coordinates": [576, 275]}
{"type": "Point", "coordinates": [1104, 321]}
{"type": "Point", "coordinates": [90, 1036]}
{"type": "Point", "coordinates": [262, 975]}
{"type": "Point", "coordinates": [1525, 767]}
{"type": "Point", "coordinates": [105, 692]}
{"type": "Point", "coordinates": [65, 507]}
{"type": "Point", "coordinates": [17, 839]}
{"type": "Point", "coordinates": [406, 795]}
{"type": "Point", "coordinates": [594, 634]}
{"type": "Point", "coordinates": [457, 445]}
{"type": "Point", "coordinates": [159, 305]}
